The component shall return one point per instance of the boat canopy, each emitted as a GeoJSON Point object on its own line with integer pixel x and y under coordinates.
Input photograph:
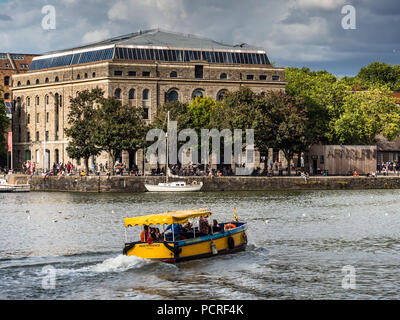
{"type": "Point", "coordinates": [167, 218]}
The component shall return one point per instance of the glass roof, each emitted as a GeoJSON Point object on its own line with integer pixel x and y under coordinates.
{"type": "Point", "coordinates": [154, 45]}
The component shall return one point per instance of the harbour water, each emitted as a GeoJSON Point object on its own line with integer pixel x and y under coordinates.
{"type": "Point", "coordinates": [299, 243]}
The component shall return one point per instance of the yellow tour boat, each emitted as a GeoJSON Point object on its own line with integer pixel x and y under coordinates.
{"type": "Point", "coordinates": [185, 244]}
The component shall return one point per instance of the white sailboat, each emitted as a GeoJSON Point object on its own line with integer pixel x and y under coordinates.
{"type": "Point", "coordinates": [177, 186]}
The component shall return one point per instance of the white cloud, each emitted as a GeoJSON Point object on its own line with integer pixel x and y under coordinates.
{"type": "Point", "coordinates": [293, 31]}
{"type": "Point", "coordinates": [319, 4]}
{"type": "Point", "coordinates": [94, 36]}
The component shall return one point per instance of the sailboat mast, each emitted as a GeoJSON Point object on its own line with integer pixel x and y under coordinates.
{"type": "Point", "coordinates": [166, 165]}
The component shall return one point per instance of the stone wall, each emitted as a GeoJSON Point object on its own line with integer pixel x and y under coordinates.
{"type": "Point", "coordinates": [136, 184]}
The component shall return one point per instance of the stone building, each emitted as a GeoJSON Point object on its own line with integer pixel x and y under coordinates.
{"type": "Point", "coordinates": [11, 64]}
{"type": "Point", "coordinates": [144, 69]}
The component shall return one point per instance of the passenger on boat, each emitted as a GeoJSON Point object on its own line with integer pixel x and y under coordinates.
{"type": "Point", "coordinates": [187, 227]}
{"type": "Point", "coordinates": [158, 236]}
{"type": "Point", "coordinates": [153, 233]}
{"type": "Point", "coordinates": [203, 225]}
{"type": "Point", "coordinates": [177, 229]}
{"type": "Point", "coordinates": [216, 228]}
{"type": "Point", "coordinates": [145, 234]}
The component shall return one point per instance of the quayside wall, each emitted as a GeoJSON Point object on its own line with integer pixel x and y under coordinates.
{"type": "Point", "coordinates": [231, 183]}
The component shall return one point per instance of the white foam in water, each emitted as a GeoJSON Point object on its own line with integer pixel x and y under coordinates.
{"type": "Point", "coordinates": [119, 263]}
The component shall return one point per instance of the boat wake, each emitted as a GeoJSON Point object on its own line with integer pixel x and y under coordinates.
{"type": "Point", "coordinates": [119, 264]}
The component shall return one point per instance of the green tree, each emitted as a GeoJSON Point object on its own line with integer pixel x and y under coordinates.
{"type": "Point", "coordinates": [283, 125]}
{"type": "Point", "coordinates": [379, 73]}
{"type": "Point", "coordinates": [178, 112]}
{"type": "Point", "coordinates": [119, 127]}
{"type": "Point", "coordinates": [82, 125]}
{"type": "Point", "coordinates": [366, 114]}
{"type": "Point", "coordinates": [323, 95]}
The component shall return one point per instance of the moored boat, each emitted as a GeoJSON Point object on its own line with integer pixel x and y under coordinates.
{"type": "Point", "coordinates": [187, 245]}
{"type": "Point", "coordinates": [6, 187]}
{"type": "Point", "coordinates": [179, 186]}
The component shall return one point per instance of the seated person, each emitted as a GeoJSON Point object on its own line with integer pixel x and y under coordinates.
{"type": "Point", "coordinates": [203, 225]}
{"type": "Point", "coordinates": [153, 233]}
{"type": "Point", "coordinates": [177, 229]}
{"type": "Point", "coordinates": [144, 235]}
{"type": "Point", "coordinates": [216, 227]}
{"type": "Point", "coordinates": [158, 236]}
{"type": "Point", "coordinates": [187, 227]}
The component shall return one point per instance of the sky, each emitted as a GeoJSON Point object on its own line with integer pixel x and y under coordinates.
{"type": "Point", "coordinates": [295, 33]}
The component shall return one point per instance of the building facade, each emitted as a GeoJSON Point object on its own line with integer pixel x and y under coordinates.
{"type": "Point", "coordinates": [11, 64]}
{"type": "Point", "coordinates": [144, 69]}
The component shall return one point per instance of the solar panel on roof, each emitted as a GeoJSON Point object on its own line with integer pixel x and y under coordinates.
{"type": "Point", "coordinates": [71, 59]}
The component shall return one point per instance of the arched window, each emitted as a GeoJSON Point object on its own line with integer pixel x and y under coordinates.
{"type": "Point", "coordinates": [28, 101]}
{"type": "Point", "coordinates": [28, 83]}
{"type": "Point", "coordinates": [223, 76]}
{"type": "Point", "coordinates": [86, 76]}
{"type": "Point", "coordinates": [221, 94]}
{"type": "Point", "coordinates": [56, 79]}
{"type": "Point", "coordinates": [173, 74]}
{"type": "Point", "coordinates": [47, 99]}
{"type": "Point", "coordinates": [78, 76]}
{"type": "Point", "coordinates": [197, 93]}
{"type": "Point", "coordinates": [172, 96]}
{"type": "Point", "coordinates": [94, 75]}
{"type": "Point", "coordinates": [37, 81]}
{"type": "Point", "coordinates": [145, 94]}
{"type": "Point", "coordinates": [37, 100]}
{"type": "Point", "coordinates": [131, 94]}
{"type": "Point", "coordinates": [47, 80]}
{"type": "Point", "coordinates": [117, 93]}
{"type": "Point", "coordinates": [19, 83]}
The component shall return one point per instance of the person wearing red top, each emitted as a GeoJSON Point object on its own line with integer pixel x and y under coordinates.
{"type": "Point", "coordinates": [144, 235]}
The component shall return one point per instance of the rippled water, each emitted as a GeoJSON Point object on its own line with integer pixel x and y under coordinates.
{"type": "Point", "coordinates": [298, 244]}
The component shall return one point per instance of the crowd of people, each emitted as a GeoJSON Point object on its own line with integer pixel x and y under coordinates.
{"type": "Point", "coordinates": [388, 167]}
{"type": "Point", "coordinates": [274, 168]}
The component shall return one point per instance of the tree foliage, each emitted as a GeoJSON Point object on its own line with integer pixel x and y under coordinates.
{"type": "Point", "coordinates": [379, 73]}
{"type": "Point", "coordinates": [82, 125]}
{"type": "Point", "coordinates": [323, 95]}
{"type": "Point", "coordinates": [366, 114]}
{"type": "Point", "coordinates": [283, 125]}
{"type": "Point", "coordinates": [119, 127]}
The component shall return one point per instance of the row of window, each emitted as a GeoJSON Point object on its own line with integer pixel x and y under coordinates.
{"type": "Point", "coordinates": [57, 100]}
{"type": "Point", "coordinates": [191, 55]}
{"type": "Point", "coordinates": [22, 65]}
{"type": "Point", "coordinates": [57, 79]}
{"type": "Point", "coordinates": [171, 95]}
{"type": "Point", "coordinates": [29, 157]}
{"type": "Point", "coordinates": [173, 74]}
